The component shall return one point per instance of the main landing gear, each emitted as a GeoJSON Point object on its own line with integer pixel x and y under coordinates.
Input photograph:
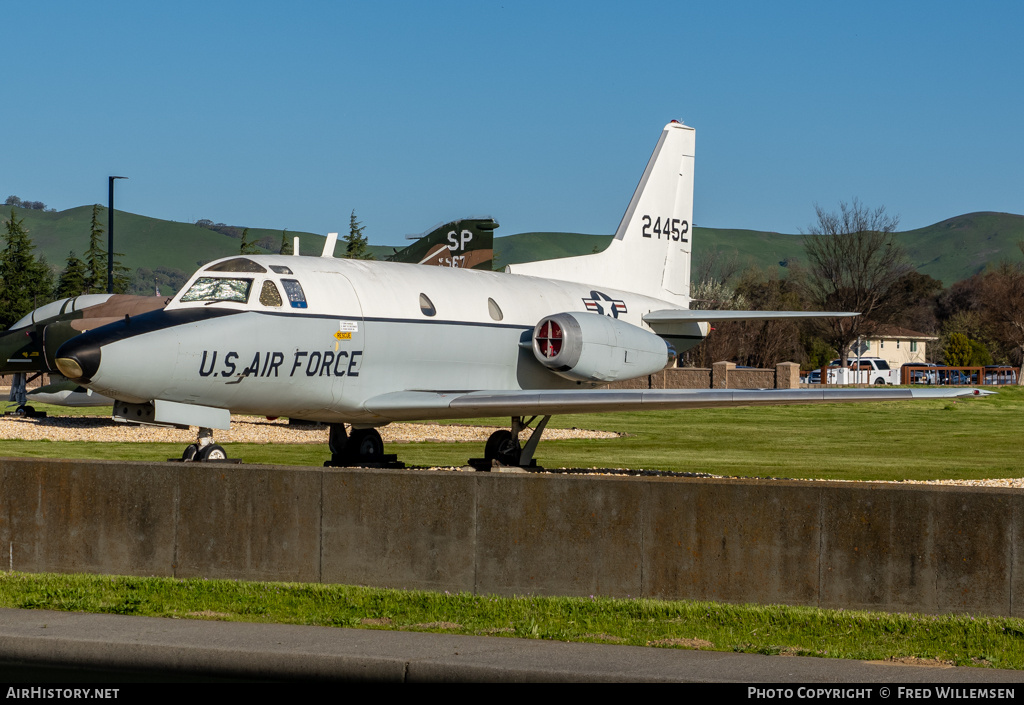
{"type": "Point", "coordinates": [362, 448]}
{"type": "Point", "coordinates": [504, 450]}
{"type": "Point", "coordinates": [204, 449]}
{"type": "Point", "coordinates": [19, 396]}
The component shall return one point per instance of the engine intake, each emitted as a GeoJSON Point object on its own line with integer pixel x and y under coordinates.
{"type": "Point", "coordinates": [589, 347]}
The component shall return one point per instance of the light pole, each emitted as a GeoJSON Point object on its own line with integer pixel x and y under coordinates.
{"type": "Point", "coordinates": [110, 232]}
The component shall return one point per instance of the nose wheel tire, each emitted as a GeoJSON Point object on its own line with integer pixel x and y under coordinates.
{"type": "Point", "coordinates": [211, 452]}
{"type": "Point", "coordinates": [190, 453]}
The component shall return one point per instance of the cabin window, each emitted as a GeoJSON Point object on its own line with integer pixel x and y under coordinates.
{"type": "Point", "coordinates": [427, 306]}
{"type": "Point", "coordinates": [280, 269]}
{"type": "Point", "coordinates": [269, 295]}
{"type": "Point", "coordinates": [293, 290]}
{"type": "Point", "coordinates": [238, 264]}
{"type": "Point", "coordinates": [217, 289]}
{"type": "Point", "coordinates": [494, 310]}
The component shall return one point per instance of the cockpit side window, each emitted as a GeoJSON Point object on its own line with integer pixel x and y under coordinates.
{"type": "Point", "coordinates": [218, 289]}
{"type": "Point", "coordinates": [269, 295]}
{"type": "Point", "coordinates": [293, 290]}
{"type": "Point", "coordinates": [427, 306]}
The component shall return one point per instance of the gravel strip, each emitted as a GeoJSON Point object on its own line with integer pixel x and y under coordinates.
{"type": "Point", "coordinates": [245, 429]}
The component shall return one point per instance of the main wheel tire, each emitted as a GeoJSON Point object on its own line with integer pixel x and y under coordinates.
{"type": "Point", "coordinates": [211, 452]}
{"type": "Point", "coordinates": [190, 453]}
{"type": "Point", "coordinates": [366, 446]}
{"type": "Point", "coordinates": [503, 447]}
{"type": "Point", "coordinates": [24, 411]}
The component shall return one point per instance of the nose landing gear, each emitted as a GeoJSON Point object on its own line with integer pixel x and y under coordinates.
{"type": "Point", "coordinates": [204, 449]}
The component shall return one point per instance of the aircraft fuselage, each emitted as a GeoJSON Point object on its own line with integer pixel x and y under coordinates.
{"type": "Point", "coordinates": [361, 330]}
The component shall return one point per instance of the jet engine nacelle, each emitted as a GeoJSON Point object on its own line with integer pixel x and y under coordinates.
{"type": "Point", "coordinates": [589, 347]}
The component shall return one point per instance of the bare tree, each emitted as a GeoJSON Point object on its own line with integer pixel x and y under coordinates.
{"type": "Point", "coordinates": [723, 341]}
{"type": "Point", "coordinates": [854, 264]}
{"type": "Point", "coordinates": [771, 342]}
{"type": "Point", "coordinates": [715, 266]}
{"type": "Point", "coordinates": [1002, 298]}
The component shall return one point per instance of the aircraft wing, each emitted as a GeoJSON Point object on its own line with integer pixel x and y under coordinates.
{"type": "Point", "coordinates": [669, 316]}
{"type": "Point", "coordinates": [417, 405]}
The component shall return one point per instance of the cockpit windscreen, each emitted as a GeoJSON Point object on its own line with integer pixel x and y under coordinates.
{"type": "Point", "coordinates": [218, 289]}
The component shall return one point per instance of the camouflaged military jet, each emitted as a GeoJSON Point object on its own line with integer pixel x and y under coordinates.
{"type": "Point", "coordinates": [367, 343]}
{"type": "Point", "coordinates": [28, 346]}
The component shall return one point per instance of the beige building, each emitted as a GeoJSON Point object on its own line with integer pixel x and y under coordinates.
{"type": "Point", "coordinates": [897, 346]}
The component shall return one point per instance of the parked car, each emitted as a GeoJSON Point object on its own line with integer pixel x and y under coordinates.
{"type": "Point", "coordinates": [871, 370]}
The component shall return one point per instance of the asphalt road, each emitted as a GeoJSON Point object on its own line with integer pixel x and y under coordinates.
{"type": "Point", "coordinates": [33, 641]}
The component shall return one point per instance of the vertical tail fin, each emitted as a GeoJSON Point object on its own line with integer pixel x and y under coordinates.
{"type": "Point", "coordinates": [650, 253]}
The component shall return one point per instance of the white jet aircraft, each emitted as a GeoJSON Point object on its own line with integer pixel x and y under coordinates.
{"type": "Point", "coordinates": [366, 343]}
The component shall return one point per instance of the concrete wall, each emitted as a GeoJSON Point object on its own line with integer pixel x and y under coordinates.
{"type": "Point", "coordinates": [850, 545]}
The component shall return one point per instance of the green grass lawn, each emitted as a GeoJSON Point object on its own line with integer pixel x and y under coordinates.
{"type": "Point", "coordinates": [796, 631]}
{"type": "Point", "coordinates": [912, 440]}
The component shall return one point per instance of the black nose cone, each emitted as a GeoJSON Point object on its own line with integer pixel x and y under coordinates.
{"type": "Point", "coordinates": [79, 358]}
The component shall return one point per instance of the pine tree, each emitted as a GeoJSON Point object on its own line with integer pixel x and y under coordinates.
{"type": "Point", "coordinates": [72, 280]}
{"type": "Point", "coordinates": [96, 262]}
{"type": "Point", "coordinates": [95, 257]}
{"type": "Point", "coordinates": [122, 276]}
{"type": "Point", "coordinates": [355, 241]}
{"type": "Point", "coordinates": [247, 248]}
{"type": "Point", "coordinates": [25, 283]}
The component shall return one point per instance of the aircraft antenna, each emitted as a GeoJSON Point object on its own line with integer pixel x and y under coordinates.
{"type": "Point", "coordinates": [329, 245]}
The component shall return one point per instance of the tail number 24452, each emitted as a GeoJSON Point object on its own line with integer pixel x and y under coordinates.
{"type": "Point", "coordinates": [671, 228]}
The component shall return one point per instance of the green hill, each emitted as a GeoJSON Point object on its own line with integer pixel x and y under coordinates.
{"type": "Point", "coordinates": [961, 247]}
{"type": "Point", "coordinates": [142, 241]}
{"type": "Point", "coordinates": [530, 247]}
{"type": "Point", "coordinates": [951, 250]}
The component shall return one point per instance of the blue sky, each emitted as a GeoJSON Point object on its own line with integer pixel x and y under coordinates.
{"type": "Point", "coordinates": [542, 115]}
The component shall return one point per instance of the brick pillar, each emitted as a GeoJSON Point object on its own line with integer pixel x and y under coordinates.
{"type": "Point", "coordinates": [787, 375]}
{"type": "Point", "coordinates": [720, 374]}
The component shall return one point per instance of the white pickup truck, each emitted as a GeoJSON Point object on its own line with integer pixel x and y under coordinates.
{"type": "Point", "coordinates": [872, 370]}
